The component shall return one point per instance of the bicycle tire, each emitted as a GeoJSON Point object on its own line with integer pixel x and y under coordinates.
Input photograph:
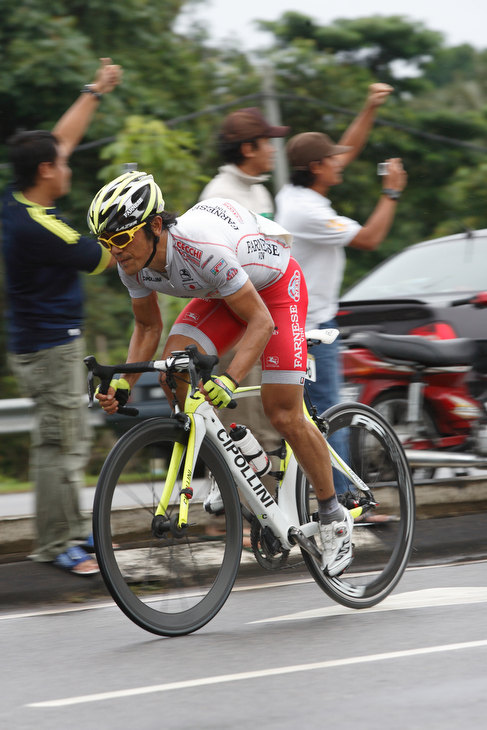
{"type": "Point", "coordinates": [381, 549]}
{"type": "Point", "coordinates": [169, 586]}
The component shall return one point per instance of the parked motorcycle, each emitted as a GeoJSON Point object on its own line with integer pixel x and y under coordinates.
{"type": "Point", "coordinates": [433, 392]}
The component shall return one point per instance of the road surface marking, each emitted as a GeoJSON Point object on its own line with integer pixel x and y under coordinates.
{"type": "Point", "coordinates": [426, 598]}
{"type": "Point", "coordinates": [221, 679]}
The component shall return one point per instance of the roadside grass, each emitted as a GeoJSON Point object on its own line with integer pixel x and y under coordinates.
{"type": "Point", "coordinates": [11, 486]}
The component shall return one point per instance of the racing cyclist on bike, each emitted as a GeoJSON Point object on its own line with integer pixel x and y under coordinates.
{"type": "Point", "coordinates": [244, 286]}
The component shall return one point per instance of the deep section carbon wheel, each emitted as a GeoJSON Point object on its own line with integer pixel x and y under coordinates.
{"type": "Point", "coordinates": [383, 537]}
{"type": "Point", "coordinates": [167, 579]}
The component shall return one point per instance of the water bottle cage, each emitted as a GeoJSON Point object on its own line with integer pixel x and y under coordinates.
{"type": "Point", "coordinates": [250, 458]}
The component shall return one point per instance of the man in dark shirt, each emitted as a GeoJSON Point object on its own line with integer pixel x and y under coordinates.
{"type": "Point", "coordinates": [43, 257]}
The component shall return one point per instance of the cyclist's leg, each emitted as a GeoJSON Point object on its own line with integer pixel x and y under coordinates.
{"type": "Point", "coordinates": [283, 370]}
{"type": "Point", "coordinates": [283, 405]}
{"type": "Point", "coordinates": [325, 392]}
{"type": "Point", "coordinates": [284, 364]}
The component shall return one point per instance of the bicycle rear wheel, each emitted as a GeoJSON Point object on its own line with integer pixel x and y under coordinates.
{"type": "Point", "coordinates": [171, 585]}
{"type": "Point", "coordinates": [381, 548]}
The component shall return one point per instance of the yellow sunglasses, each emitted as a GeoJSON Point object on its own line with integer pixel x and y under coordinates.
{"type": "Point", "coordinates": [119, 239]}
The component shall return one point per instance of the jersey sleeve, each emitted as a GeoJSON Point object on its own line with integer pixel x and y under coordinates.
{"type": "Point", "coordinates": [54, 242]}
{"type": "Point", "coordinates": [135, 288]}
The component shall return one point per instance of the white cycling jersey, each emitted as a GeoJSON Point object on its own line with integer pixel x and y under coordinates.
{"type": "Point", "coordinates": [211, 252]}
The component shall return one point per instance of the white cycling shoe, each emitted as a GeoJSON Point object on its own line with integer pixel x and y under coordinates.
{"type": "Point", "coordinates": [213, 502]}
{"type": "Point", "coordinates": [337, 545]}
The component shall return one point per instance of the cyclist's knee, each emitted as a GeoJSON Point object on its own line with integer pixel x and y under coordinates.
{"type": "Point", "coordinates": [285, 421]}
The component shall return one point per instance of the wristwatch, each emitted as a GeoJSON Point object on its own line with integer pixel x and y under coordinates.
{"type": "Point", "coordinates": [392, 194]}
{"type": "Point", "coordinates": [88, 89]}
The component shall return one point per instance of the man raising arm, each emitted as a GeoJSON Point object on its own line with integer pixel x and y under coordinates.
{"type": "Point", "coordinates": [44, 256]}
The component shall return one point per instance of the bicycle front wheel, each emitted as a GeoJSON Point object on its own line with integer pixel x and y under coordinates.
{"type": "Point", "coordinates": [175, 583]}
{"type": "Point", "coordinates": [383, 540]}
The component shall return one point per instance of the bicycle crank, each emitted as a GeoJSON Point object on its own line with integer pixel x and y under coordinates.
{"type": "Point", "coordinates": [298, 536]}
{"type": "Point", "coordinates": [266, 547]}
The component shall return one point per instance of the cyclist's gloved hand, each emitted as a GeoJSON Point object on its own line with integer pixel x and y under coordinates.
{"type": "Point", "coordinates": [220, 390]}
{"type": "Point", "coordinates": [121, 388]}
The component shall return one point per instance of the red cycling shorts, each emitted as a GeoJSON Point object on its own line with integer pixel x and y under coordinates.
{"type": "Point", "coordinates": [216, 329]}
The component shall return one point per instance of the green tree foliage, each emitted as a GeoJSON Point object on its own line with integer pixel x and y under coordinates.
{"type": "Point", "coordinates": [466, 197]}
{"type": "Point", "coordinates": [334, 65]}
{"type": "Point", "coordinates": [376, 42]}
{"type": "Point", "coordinates": [177, 89]}
{"type": "Point", "coordinates": [165, 153]}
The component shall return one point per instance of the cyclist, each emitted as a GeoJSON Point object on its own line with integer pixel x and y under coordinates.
{"type": "Point", "coordinates": [244, 286]}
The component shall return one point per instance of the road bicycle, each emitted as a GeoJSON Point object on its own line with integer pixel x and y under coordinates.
{"type": "Point", "coordinates": [170, 565]}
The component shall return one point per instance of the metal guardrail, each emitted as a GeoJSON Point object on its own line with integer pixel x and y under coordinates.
{"type": "Point", "coordinates": [17, 415]}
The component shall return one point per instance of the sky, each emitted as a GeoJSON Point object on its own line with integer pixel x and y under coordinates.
{"type": "Point", "coordinates": [464, 22]}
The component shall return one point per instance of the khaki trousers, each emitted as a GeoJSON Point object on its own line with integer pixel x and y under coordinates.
{"type": "Point", "coordinates": [60, 442]}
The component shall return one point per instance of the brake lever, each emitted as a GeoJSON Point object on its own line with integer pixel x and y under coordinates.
{"type": "Point", "coordinates": [193, 377]}
{"type": "Point", "coordinates": [91, 389]}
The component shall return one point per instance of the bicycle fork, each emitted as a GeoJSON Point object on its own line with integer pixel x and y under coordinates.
{"type": "Point", "coordinates": [176, 525]}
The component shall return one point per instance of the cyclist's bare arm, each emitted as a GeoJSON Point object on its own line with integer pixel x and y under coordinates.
{"type": "Point", "coordinates": [143, 343]}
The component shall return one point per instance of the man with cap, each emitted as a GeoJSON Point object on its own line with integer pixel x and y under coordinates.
{"type": "Point", "coordinates": [320, 234]}
{"type": "Point", "coordinates": [244, 143]}
{"type": "Point", "coordinates": [245, 146]}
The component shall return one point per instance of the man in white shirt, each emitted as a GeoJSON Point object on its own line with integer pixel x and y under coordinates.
{"type": "Point", "coordinates": [320, 236]}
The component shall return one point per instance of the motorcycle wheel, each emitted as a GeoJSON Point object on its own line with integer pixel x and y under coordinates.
{"type": "Point", "coordinates": [393, 406]}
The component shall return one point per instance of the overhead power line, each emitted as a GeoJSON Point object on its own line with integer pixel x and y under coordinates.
{"type": "Point", "coordinates": [387, 123]}
{"type": "Point", "coordinates": [303, 99]}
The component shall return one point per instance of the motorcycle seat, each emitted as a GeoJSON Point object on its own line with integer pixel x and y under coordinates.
{"type": "Point", "coordinates": [416, 350]}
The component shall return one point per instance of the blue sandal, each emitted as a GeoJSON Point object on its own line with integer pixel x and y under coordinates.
{"type": "Point", "coordinates": [89, 543]}
{"type": "Point", "coordinates": [73, 557]}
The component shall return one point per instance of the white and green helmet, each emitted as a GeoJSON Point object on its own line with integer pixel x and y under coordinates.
{"type": "Point", "coordinates": [124, 203]}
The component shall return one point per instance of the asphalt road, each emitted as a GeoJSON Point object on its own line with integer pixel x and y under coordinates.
{"type": "Point", "coordinates": [278, 655]}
